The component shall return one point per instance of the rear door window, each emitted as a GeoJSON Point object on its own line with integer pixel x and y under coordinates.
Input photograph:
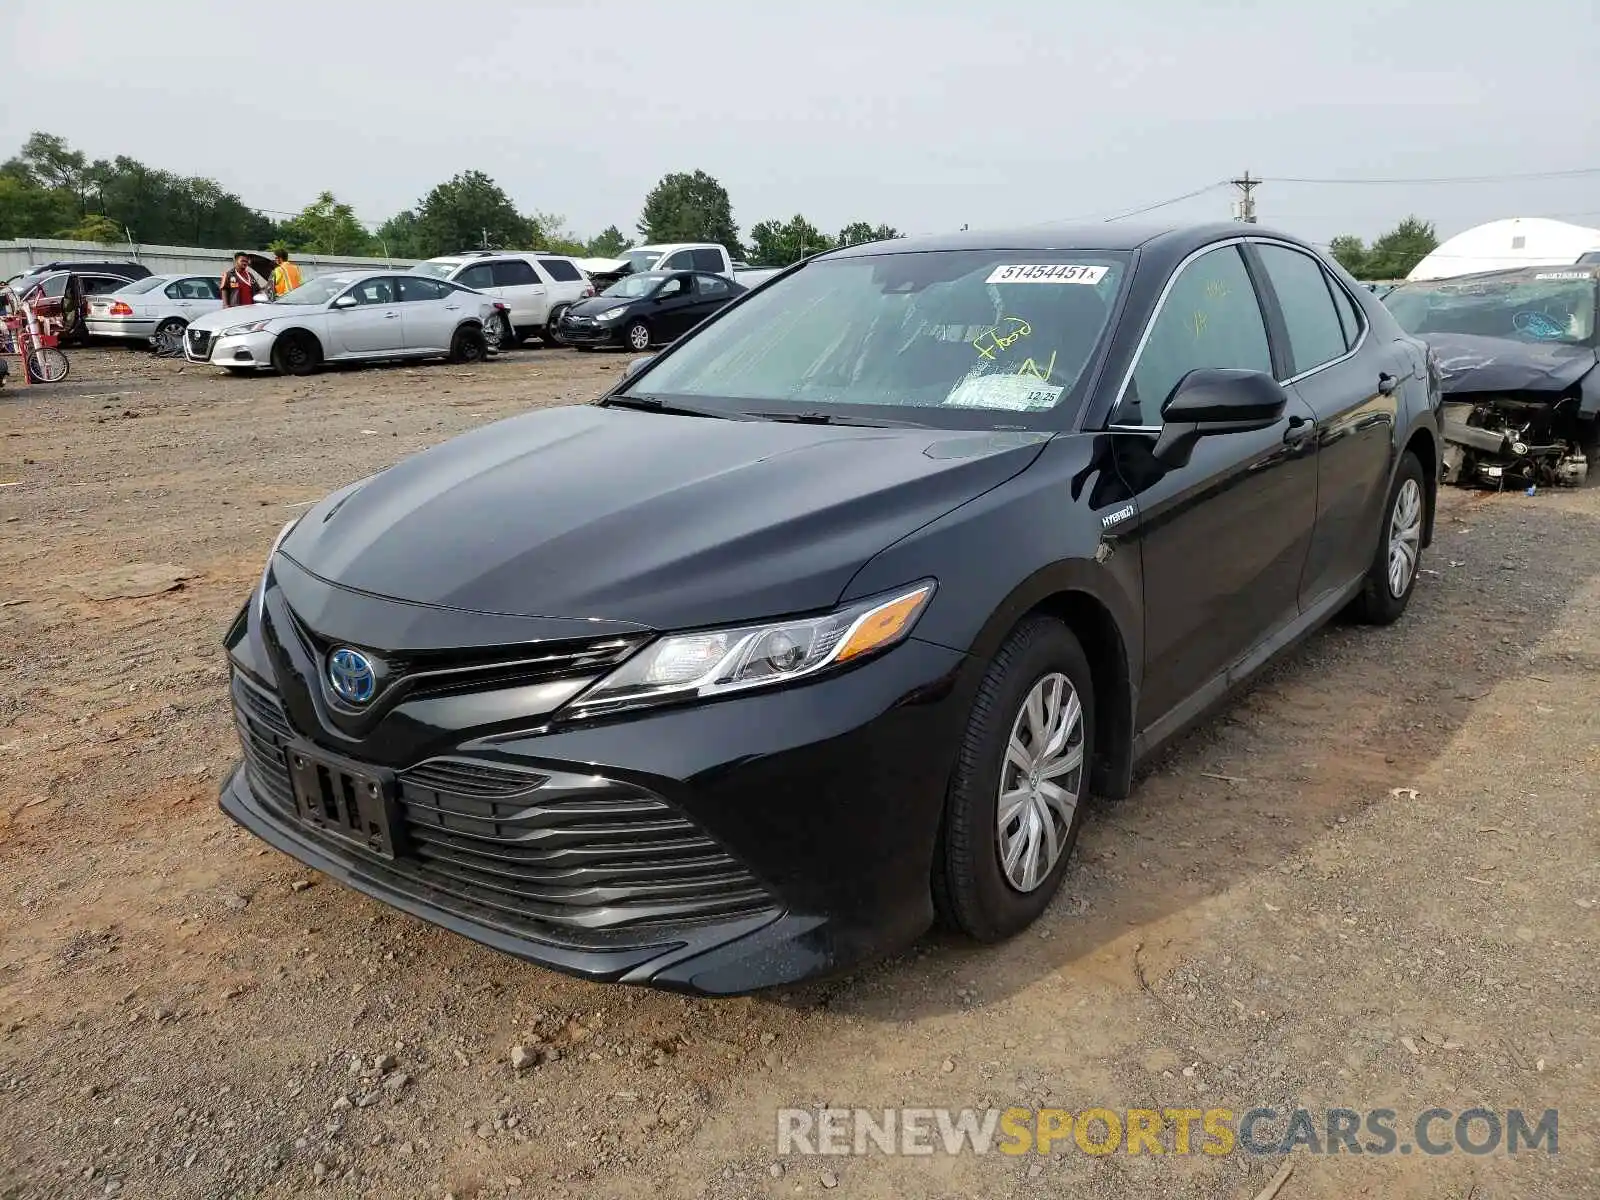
{"type": "Point", "coordinates": [513, 272]}
{"type": "Point", "coordinates": [560, 270]}
{"type": "Point", "coordinates": [1316, 334]}
{"type": "Point", "coordinates": [1350, 320]}
{"type": "Point", "coordinates": [420, 287]}
{"type": "Point", "coordinates": [683, 260]}
{"type": "Point", "coordinates": [477, 278]}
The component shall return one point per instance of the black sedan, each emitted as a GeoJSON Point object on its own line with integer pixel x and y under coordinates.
{"type": "Point", "coordinates": [649, 309]}
{"type": "Point", "coordinates": [831, 617]}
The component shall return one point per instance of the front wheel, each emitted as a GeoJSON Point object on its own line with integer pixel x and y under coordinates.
{"type": "Point", "coordinates": [550, 336]}
{"type": "Point", "coordinates": [1016, 798]}
{"type": "Point", "coordinates": [638, 335]}
{"type": "Point", "coordinates": [46, 364]}
{"type": "Point", "coordinates": [1393, 574]}
{"type": "Point", "coordinates": [296, 353]}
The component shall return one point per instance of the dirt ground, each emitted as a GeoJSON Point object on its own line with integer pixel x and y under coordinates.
{"type": "Point", "coordinates": [1374, 881]}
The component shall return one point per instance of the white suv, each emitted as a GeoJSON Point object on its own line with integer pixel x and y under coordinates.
{"type": "Point", "coordinates": [536, 288]}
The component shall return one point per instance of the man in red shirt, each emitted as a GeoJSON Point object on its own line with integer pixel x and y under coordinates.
{"type": "Point", "coordinates": [240, 282]}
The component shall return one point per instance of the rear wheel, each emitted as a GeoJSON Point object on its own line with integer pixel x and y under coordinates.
{"type": "Point", "coordinates": [296, 353]}
{"type": "Point", "coordinates": [1393, 574]}
{"type": "Point", "coordinates": [1016, 798]}
{"type": "Point", "coordinates": [468, 346]}
{"type": "Point", "coordinates": [168, 337]}
{"type": "Point", "coordinates": [1588, 440]}
{"type": "Point", "coordinates": [638, 335]}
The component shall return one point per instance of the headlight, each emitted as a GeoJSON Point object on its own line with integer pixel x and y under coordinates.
{"type": "Point", "coordinates": [611, 314]}
{"type": "Point", "coordinates": [718, 661]}
{"type": "Point", "coordinates": [252, 327]}
{"type": "Point", "coordinates": [261, 588]}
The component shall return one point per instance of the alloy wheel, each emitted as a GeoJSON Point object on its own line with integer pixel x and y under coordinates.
{"type": "Point", "coordinates": [1405, 537]}
{"type": "Point", "coordinates": [639, 336]}
{"type": "Point", "coordinates": [1041, 782]}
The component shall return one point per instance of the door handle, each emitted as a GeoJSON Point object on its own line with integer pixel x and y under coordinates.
{"type": "Point", "coordinates": [1299, 430]}
{"type": "Point", "coordinates": [451, 307]}
{"type": "Point", "coordinates": [1387, 383]}
{"type": "Point", "coordinates": [390, 316]}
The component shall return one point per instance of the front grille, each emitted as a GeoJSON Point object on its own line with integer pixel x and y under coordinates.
{"type": "Point", "coordinates": [200, 343]}
{"type": "Point", "coordinates": [419, 674]}
{"type": "Point", "coordinates": [544, 850]}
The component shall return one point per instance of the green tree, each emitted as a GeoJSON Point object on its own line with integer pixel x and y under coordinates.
{"type": "Point", "coordinates": [94, 228]}
{"type": "Point", "coordinates": [777, 244]}
{"type": "Point", "coordinates": [326, 226]}
{"type": "Point", "coordinates": [857, 232]}
{"type": "Point", "coordinates": [1351, 253]}
{"type": "Point", "coordinates": [551, 233]}
{"type": "Point", "coordinates": [28, 210]}
{"type": "Point", "coordinates": [609, 243]}
{"type": "Point", "coordinates": [463, 212]}
{"type": "Point", "coordinates": [400, 237]}
{"type": "Point", "coordinates": [1391, 255]}
{"type": "Point", "coordinates": [690, 207]}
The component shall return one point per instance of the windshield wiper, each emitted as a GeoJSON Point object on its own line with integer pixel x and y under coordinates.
{"type": "Point", "coordinates": [824, 418]}
{"type": "Point", "coordinates": [657, 404]}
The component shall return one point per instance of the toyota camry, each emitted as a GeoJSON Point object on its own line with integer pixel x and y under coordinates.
{"type": "Point", "coordinates": [827, 621]}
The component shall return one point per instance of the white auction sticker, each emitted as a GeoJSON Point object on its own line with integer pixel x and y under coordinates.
{"type": "Point", "coordinates": [1564, 275]}
{"type": "Point", "coordinates": [1046, 273]}
{"type": "Point", "coordinates": [1016, 393]}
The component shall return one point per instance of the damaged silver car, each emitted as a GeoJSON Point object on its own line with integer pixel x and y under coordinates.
{"type": "Point", "coordinates": [1516, 351]}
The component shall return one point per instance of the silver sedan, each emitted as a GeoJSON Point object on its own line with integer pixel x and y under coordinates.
{"type": "Point", "coordinates": [156, 309]}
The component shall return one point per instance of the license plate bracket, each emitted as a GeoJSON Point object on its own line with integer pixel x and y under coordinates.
{"type": "Point", "coordinates": [349, 802]}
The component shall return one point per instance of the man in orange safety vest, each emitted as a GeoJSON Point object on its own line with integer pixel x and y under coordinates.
{"type": "Point", "coordinates": [285, 276]}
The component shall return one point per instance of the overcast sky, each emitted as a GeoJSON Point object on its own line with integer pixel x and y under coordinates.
{"type": "Point", "coordinates": [926, 114]}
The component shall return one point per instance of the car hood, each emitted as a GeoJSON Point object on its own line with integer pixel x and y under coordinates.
{"type": "Point", "coordinates": [657, 520]}
{"type": "Point", "coordinates": [1470, 363]}
{"type": "Point", "coordinates": [226, 318]}
{"type": "Point", "coordinates": [599, 304]}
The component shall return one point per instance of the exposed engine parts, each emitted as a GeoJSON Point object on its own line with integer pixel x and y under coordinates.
{"type": "Point", "coordinates": [1500, 440]}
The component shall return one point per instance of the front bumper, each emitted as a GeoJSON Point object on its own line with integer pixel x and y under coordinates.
{"type": "Point", "coordinates": [127, 329]}
{"type": "Point", "coordinates": [778, 835]}
{"type": "Point", "coordinates": [239, 350]}
{"type": "Point", "coordinates": [608, 334]}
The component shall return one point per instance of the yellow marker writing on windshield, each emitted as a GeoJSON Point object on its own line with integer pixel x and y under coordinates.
{"type": "Point", "coordinates": [1029, 367]}
{"type": "Point", "coordinates": [991, 339]}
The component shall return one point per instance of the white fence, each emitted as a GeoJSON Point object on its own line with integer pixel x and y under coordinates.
{"type": "Point", "coordinates": [19, 254]}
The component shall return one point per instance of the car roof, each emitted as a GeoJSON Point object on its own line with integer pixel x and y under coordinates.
{"type": "Point", "coordinates": [1102, 235]}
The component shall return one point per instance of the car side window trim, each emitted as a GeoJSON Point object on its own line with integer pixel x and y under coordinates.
{"type": "Point", "coordinates": [1155, 315]}
{"type": "Point", "coordinates": [1329, 281]}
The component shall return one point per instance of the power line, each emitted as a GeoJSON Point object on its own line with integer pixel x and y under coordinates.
{"type": "Point", "coordinates": [1200, 191]}
{"type": "Point", "coordinates": [1574, 172]}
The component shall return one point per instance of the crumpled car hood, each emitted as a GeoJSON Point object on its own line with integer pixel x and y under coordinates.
{"type": "Point", "coordinates": [657, 520]}
{"type": "Point", "coordinates": [1470, 363]}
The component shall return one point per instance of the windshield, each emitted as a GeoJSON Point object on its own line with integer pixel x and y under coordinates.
{"type": "Point", "coordinates": [1551, 306]}
{"type": "Point", "coordinates": [634, 286]}
{"type": "Point", "coordinates": [999, 331]}
{"type": "Point", "coordinates": [317, 291]}
{"type": "Point", "coordinates": [437, 270]}
{"type": "Point", "coordinates": [147, 284]}
{"type": "Point", "coordinates": [641, 260]}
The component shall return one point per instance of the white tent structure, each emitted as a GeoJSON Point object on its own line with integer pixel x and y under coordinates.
{"type": "Point", "coordinates": [1514, 242]}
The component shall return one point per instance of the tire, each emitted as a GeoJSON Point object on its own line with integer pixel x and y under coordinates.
{"type": "Point", "coordinates": [296, 353]}
{"type": "Point", "coordinates": [46, 364]}
{"type": "Point", "coordinates": [973, 890]}
{"type": "Point", "coordinates": [468, 346]}
{"type": "Point", "coordinates": [1384, 596]}
{"type": "Point", "coordinates": [1588, 440]}
{"type": "Point", "coordinates": [549, 335]}
{"type": "Point", "coordinates": [637, 336]}
{"type": "Point", "coordinates": [167, 340]}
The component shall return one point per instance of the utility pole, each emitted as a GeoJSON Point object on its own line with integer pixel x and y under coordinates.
{"type": "Point", "coordinates": [1244, 208]}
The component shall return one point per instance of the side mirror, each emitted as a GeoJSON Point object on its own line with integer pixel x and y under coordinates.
{"type": "Point", "coordinates": [1211, 401]}
{"type": "Point", "coordinates": [345, 302]}
{"type": "Point", "coordinates": [634, 367]}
